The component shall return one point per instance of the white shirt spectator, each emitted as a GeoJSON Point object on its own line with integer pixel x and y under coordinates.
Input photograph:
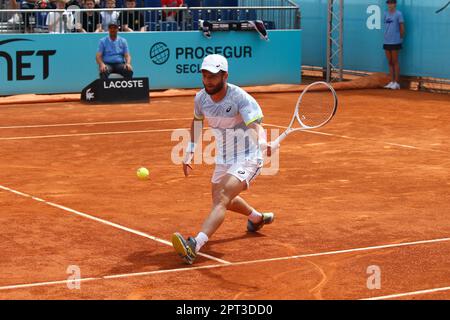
{"type": "Point", "coordinates": [109, 17]}
{"type": "Point", "coordinates": [60, 22]}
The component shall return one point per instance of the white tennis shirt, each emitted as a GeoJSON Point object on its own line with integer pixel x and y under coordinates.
{"type": "Point", "coordinates": [229, 120]}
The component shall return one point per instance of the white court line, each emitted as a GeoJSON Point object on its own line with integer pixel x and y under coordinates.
{"type": "Point", "coordinates": [176, 129]}
{"type": "Point", "coordinates": [413, 293]}
{"type": "Point", "coordinates": [93, 123]}
{"type": "Point", "coordinates": [230, 264]}
{"type": "Point", "coordinates": [408, 147]}
{"type": "Point", "coordinates": [112, 224]}
{"type": "Point", "coordinates": [126, 275]}
{"type": "Point", "coordinates": [41, 284]}
{"type": "Point", "coordinates": [309, 255]}
{"type": "Point", "coordinates": [360, 139]}
{"type": "Point", "coordinates": [90, 134]}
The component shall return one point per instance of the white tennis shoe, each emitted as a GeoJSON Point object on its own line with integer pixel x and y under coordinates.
{"type": "Point", "coordinates": [389, 85]}
{"type": "Point", "coordinates": [395, 86]}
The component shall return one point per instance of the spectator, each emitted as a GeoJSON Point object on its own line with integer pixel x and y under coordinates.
{"type": "Point", "coordinates": [51, 4]}
{"type": "Point", "coordinates": [16, 18]}
{"type": "Point", "coordinates": [171, 15]}
{"type": "Point", "coordinates": [60, 22]}
{"type": "Point", "coordinates": [75, 3]}
{"type": "Point", "coordinates": [393, 37]}
{"type": "Point", "coordinates": [24, 5]}
{"type": "Point", "coordinates": [131, 20]}
{"type": "Point", "coordinates": [109, 17]}
{"type": "Point", "coordinates": [113, 55]}
{"type": "Point", "coordinates": [91, 21]}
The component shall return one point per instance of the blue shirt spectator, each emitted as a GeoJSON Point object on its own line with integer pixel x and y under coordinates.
{"type": "Point", "coordinates": [394, 32]}
{"type": "Point", "coordinates": [113, 55]}
{"type": "Point", "coordinates": [392, 21]}
{"type": "Point", "coordinates": [113, 51]}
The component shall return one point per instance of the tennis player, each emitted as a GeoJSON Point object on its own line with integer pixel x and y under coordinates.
{"type": "Point", "coordinates": [235, 118]}
{"type": "Point", "coordinates": [394, 32]}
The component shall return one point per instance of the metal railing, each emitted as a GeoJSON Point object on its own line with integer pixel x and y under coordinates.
{"type": "Point", "coordinates": [266, 3]}
{"type": "Point", "coordinates": [73, 19]}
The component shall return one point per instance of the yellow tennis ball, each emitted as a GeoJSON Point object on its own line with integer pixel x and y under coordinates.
{"type": "Point", "coordinates": [142, 173]}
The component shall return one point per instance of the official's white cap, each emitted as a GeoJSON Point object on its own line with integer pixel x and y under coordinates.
{"type": "Point", "coordinates": [215, 63]}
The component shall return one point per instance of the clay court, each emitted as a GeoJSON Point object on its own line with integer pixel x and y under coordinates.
{"type": "Point", "coordinates": [369, 189]}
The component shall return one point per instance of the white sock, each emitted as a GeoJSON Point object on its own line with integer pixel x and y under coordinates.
{"type": "Point", "coordinates": [201, 239]}
{"type": "Point", "coordinates": [255, 216]}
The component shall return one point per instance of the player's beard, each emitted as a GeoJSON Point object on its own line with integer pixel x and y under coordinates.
{"type": "Point", "coordinates": [215, 89]}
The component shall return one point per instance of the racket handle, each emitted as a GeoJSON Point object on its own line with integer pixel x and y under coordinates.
{"type": "Point", "coordinates": [276, 143]}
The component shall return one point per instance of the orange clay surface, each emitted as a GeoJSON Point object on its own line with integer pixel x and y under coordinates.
{"type": "Point", "coordinates": [381, 176]}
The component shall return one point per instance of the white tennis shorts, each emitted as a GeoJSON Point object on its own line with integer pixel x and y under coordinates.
{"type": "Point", "coordinates": [246, 171]}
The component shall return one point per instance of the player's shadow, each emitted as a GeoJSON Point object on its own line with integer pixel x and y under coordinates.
{"type": "Point", "coordinates": [247, 235]}
{"type": "Point", "coordinates": [143, 261]}
{"type": "Point", "coordinates": [209, 247]}
{"type": "Point", "coordinates": [148, 260]}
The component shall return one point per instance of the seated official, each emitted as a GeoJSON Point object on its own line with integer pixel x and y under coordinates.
{"type": "Point", "coordinates": [113, 55]}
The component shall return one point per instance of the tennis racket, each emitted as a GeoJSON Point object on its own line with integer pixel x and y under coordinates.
{"type": "Point", "coordinates": [443, 8]}
{"type": "Point", "coordinates": [315, 107]}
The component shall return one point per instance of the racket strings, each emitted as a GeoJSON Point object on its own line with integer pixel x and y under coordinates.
{"type": "Point", "coordinates": [317, 106]}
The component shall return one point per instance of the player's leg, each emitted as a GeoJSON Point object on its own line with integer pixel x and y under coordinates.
{"type": "Point", "coordinates": [391, 68]}
{"type": "Point", "coordinates": [256, 220]}
{"type": "Point", "coordinates": [248, 171]}
{"type": "Point", "coordinates": [396, 67]}
{"type": "Point", "coordinates": [237, 204]}
{"type": "Point", "coordinates": [228, 182]}
{"type": "Point", "coordinates": [229, 187]}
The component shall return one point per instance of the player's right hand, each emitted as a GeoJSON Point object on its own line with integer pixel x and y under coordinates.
{"type": "Point", "coordinates": [269, 150]}
{"type": "Point", "coordinates": [187, 167]}
{"type": "Point", "coordinates": [102, 67]}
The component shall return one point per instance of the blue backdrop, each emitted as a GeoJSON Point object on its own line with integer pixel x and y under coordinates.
{"type": "Point", "coordinates": [426, 46]}
{"type": "Point", "coordinates": [43, 63]}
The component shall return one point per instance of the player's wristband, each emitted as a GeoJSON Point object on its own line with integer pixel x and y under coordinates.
{"type": "Point", "coordinates": [262, 143]}
{"type": "Point", "coordinates": [191, 147]}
